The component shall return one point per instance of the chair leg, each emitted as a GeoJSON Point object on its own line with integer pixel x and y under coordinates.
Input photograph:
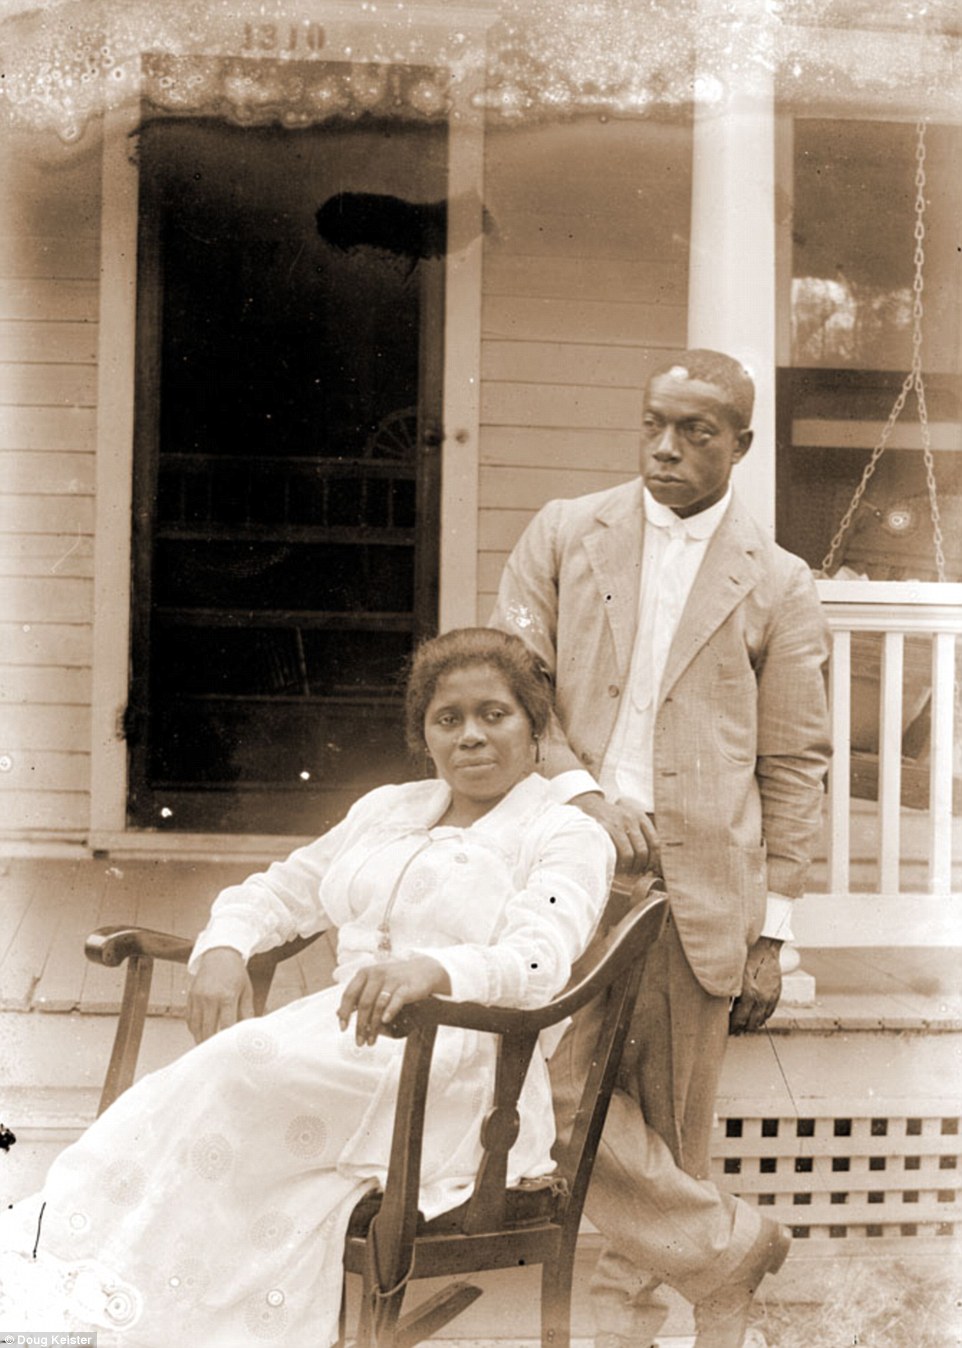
{"type": "Point", "coordinates": [342, 1316]}
{"type": "Point", "coordinates": [363, 1334]}
{"type": "Point", "coordinates": [385, 1313]}
{"type": "Point", "coordinates": [556, 1276]}
{"type": "Point", "coordinates": [377, 1321]}
{"type": "Point", "coordinates": [130, 1029]}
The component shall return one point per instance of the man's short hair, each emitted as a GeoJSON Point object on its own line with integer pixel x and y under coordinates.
{"type": "Point", "coordinates": [714, 367]}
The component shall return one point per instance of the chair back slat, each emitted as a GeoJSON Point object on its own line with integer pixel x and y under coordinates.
{"type": "Point", "coordinates": [499, 1132]}
{"type": "Point", "coordinates": [393, 1228]}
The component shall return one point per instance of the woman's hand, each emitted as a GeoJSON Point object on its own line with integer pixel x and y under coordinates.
{"type": "Point", "coordinates": [378, 991]}
{"type": "Point", "coordinates": [220, 993]}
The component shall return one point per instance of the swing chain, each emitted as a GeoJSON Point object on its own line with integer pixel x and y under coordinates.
{"type": "Point", "coordinates": [912, 380]}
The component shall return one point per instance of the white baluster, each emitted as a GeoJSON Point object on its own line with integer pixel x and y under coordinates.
{"type": "Point", "coordinates": [940, 768]}
{"type": "Point", "coordinates": [840, 692]}
{"type": "Point", "coordinates": [890, 762]}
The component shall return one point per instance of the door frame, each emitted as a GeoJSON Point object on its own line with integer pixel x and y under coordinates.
{"type": "Point", "coordinates": [117, 359]}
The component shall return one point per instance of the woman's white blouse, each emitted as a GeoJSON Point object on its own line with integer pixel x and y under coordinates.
{"type": "Point", "coordinates": [505, 905]}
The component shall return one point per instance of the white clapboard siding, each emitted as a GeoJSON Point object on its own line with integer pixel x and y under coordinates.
{"type": "Point", "coordinates": [57, 187]}
{"type": "Point", "coordinates": [490, 566]}
{"type": "Point", "coordinates": [61, 729]}
{"type": "Point", "coordinates": [47, 515]}
{"type": "Point", "coordinates": [53, 474]}
{"type": "Point", "coordinates": [74, 256]}
{"type": "Point", "coordinates": [528, 488]}
{"type": "Point", "coordinates": [571, 166]}
{"type": "Point", "coordinates": [40, 643]}
{"type": "Point", "coordinates": [53, 342]}
{"type": "Point", "coordinates": [580, 320]}
{"type": "Point", "coordinates": [601, 366]}
{"type": "Point", "coordinates": [33, 298]}
{"type": "Point", "coordinates": [616, 279]}
{"type": "Point", "coordinates": [46, 555]}
{"type": "Point", "coordinates": [576, 407]}
{"type": "Point", "coordinates": [67, 428]}
{"type": "Point", "coordinates": [45, 685]}
{"type": "Point", "coordinates": [53, 599]}
{"type": "Point", "coordinates": [564, 233]}
{"type": "Point", "coordinates": [41, 770]}
{"type": "Point", "coordinates": [49, 306]}
{"type": "Point", "coordinates": [47, 385]}
{"type": "Point", "coordinates": [62, 814]}
{"type": "Point", "coordinates": [591, 189]}
{"type": "Point", "coordinates": [521, 446]}
{"type": "Point", "coordinates": [500, 528]}
{"type": "Point", "coordinates": [66, 562]}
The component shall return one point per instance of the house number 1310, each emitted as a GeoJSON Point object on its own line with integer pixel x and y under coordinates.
{"type": "Point", "coordinates": [280, 37]}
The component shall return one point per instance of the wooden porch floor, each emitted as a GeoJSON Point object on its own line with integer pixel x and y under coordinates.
{"type": "Point", "coordinates": [49, 907]}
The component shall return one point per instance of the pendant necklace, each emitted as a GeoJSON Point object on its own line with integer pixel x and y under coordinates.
{"type": "Point", "coordinates": [384, 926]}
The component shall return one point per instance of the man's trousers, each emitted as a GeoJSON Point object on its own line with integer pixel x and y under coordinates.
{"type": "Point", "coordinates": [662, 1218]}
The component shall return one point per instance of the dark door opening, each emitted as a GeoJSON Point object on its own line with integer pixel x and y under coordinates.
{"type": "Point", "coordinates": [286, 482]}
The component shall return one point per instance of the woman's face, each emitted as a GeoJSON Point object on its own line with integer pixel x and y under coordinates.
{"type": "Point", "coordinates": [479, 736]}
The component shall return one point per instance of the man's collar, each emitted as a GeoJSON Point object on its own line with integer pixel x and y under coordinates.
{"type": "Point", "coordinates": [702, 525]}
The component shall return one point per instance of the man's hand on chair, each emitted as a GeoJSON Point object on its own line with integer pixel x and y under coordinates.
{"type": "Point", "coordinates": [220, 993]}
{"type": "Point", "coordinates": [629, 827]}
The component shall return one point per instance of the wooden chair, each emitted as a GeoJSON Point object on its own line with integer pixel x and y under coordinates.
{"type": "Point", "coordinates": [389, 1244]}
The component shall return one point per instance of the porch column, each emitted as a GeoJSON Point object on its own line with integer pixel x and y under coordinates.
{"type": "Point", "coordinates": [732, 266]}
{"type": "Point", "coordinates": [731, 281]}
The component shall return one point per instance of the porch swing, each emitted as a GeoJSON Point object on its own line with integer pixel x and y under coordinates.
{"type": "Point", "coordinates": [874, 541]}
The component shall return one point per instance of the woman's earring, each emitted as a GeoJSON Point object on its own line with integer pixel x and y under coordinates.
{"type": "Point", "coordinates": [537, 748]}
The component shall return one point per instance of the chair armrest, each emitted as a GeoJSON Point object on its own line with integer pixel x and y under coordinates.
{"type": "Point", "coordinates": [110, 946]}
{"type": "Point", "coordinates": [605, 958]}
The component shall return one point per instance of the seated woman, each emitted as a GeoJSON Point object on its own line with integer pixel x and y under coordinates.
{"type": "Point", "coordinates": [208, 1206]}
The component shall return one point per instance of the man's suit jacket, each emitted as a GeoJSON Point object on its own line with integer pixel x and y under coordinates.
{"type": "Point", "coordinates": [741, 728]}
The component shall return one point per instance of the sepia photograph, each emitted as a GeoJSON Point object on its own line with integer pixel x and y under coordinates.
{"type": "Point", "coordinates": [480, 718]}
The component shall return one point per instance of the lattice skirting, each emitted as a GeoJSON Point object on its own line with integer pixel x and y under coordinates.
{"type": "Point", "coordinates": [836, 1176]}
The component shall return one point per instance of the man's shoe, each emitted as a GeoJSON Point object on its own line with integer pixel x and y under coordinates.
{"type": "Point", "coordinates": [722, 1318]}
{"type": "Point", "coordinates": [639, 1318]}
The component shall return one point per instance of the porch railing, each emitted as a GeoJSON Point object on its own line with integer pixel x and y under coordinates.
{"type": "Point", "coordinates": [894, 649]}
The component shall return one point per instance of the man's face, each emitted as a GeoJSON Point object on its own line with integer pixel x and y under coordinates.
{"type": "Point", "coordinates": [689, 444]}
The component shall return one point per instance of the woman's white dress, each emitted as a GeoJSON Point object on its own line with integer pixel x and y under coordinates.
{"type": "Point", "coordinates": [208, 1206]}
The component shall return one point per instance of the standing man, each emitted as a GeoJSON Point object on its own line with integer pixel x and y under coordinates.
{"type": "Point", "coordinates": [688, 653]}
